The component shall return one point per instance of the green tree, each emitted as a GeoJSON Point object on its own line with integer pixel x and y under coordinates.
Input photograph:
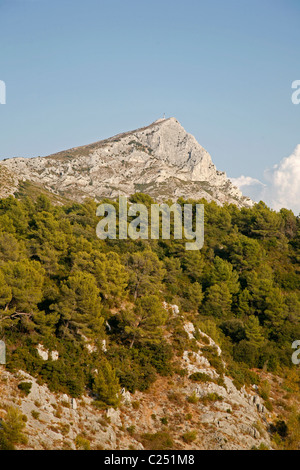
{"type": "Point", "coordinates": [275, 312]}
{"type": "Point", "coordinates": [254, 332]}
{"type": "Point", "coordinates": [26, 279]}
{"type": "Point", "coordinates": [244, 303]}
{"type": "Point", "coordinates": [5, 291]}
{"type": "Point", "coordinates": [80, 304]}
{"type": "Point", "coordinates": [11, 430]}
{"type": "Point", "coordinates": [193, 295]}
{"type": "Point", "coordinates": [146, 273]}
{"type": "Point", "coordinates": [235, 329]}
{"type": "Point", "coordinates": [218, 300]}
{"type": "Point", "coordinates": [106, 384]}
{"type": "Point", "coordinates": [223, 272]}
{"type": "Point", "coordinates": [10, 248]}
{"type": "Point", "coordinates": [193, 265]}
{"type": "Point", "coordinates": [144, 321]}
{"type": "Point", "coordinates": [111, 276]}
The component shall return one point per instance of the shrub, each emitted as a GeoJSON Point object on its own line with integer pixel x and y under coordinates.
{"type": "Point", "coordinates": [200, 377]}
{"type": "Point", "coordinates": [157, 441]}
{"type": "Point", "coordinates": [25, 387]}
{"type": "Point", "coordinates": [210, 352]}
{"type": "Point", "coordinates": [265, 389]}
{"type": "Point", "coordinates": [131, 430]}
{"type": "Point", "coordinates": [82, 443]}
{"type": "Point", "coordinates": [189, 437]}
{"type": "Point", "coordinates": [11, 431]}
{"type": "Point", "coordinates": [211, 398]}
{"type": "Point", "coordinates": [280, 428]}
{"type": "Point", "coordinates": [175, 397]}
{"type": "Point", "coordinates": [35, 414]}
{"type": "Point", "coordinates": [64, 429]}
{"type": "Point", "coordinates": [193, 398]}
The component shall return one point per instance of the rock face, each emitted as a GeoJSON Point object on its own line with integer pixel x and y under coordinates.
{"type": "Point", "coordinates": [222, 416]}
{"type": "Point", "coordinates": [9, 182]}
{"type": "Point", "coordinates": [161, 160]}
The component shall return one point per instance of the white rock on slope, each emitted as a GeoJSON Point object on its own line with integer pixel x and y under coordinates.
{"type": "Point", "coordinates": [162, 160]}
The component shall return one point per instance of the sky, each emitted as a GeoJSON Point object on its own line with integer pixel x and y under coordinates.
{"type": "Point", "coordinates": [80, 71]}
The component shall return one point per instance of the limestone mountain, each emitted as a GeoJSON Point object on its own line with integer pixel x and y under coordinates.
{"type": "Point", "coordinates": [161, 160]}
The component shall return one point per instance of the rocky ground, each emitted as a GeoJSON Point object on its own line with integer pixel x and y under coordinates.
{"type": "Point", "coordinates": [176, 412]}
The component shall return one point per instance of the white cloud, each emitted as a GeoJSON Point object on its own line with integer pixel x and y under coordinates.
{"type": "Point", "coordinates": [242, 181]}
{"type": "Point", "coordinates": [281, 187]}
{"type": "Point", "coordinates": [250, 187]}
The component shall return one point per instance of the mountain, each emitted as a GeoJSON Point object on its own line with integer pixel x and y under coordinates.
{"type": "Point", "coordinates": [161, 160]}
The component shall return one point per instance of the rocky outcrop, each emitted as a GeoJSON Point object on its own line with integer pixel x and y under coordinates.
{"type": "Point", "coordinates": [161, 160]}
{"type": "Point", "coordinates": [220, 415]}
{"type": "Point", "coordinates": [9, 181]}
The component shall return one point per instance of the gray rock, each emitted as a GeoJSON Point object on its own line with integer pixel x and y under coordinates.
{"type": "Point", "coordinates": [161, 159]}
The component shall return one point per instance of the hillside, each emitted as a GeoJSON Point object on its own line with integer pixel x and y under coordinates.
{"type": "Point", "coordinates": [175, 413]}
{"type": "Point", "coordinates": [162, 346]}
{"type": "Point", "coordinates": [161, 160]}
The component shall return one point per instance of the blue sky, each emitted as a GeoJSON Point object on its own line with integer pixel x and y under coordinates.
{"type": "Point", "coordinates": [79, 71]}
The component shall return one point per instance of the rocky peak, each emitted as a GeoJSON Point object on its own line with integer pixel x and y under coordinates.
{"type": "Point", "coordinates": [162, 160]}
{"type": "Point", "coordinates": [172, 144]}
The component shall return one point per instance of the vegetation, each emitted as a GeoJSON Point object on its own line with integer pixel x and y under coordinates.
{"type": "Point", "coordinates": [159, 441]}
{"type": "Point", "coordinates": [11, 430]}
{"type": "Point", "coordinates": [25, 387]}
{"type": "Point", "coordinates": [189, 436]}
{"type": "Point", "coordinates": [63, 287]}
{"type": "Point", "coordinates": [82, 443]}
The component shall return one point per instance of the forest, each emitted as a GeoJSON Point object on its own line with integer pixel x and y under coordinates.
{"type": "Point", "coordinates": [99, 303]}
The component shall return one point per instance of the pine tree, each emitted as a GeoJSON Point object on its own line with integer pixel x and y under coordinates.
{"type": "Point", "coordinates": [218, 300]}
{"type": "Point", "coordinates": [12, 430]}
{"type": "Point", "coordinates": [106, 384]}
{"type": "Point", "coordinates": [144, 321]}
{"type": "Point", "coordinates": [254, 332]}
{"type": "Point", "coordinates": [146, 273]}
{"type": "Point", "coordinates": [111, 276]}
{"type": "Point", "coordinates": [80, 304]}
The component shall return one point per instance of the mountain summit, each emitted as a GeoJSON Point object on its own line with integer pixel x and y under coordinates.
{"type": "Point", "coordinates": [162, 160]}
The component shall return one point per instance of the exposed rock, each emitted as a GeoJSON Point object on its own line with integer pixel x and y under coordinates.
{"type": "Point", "coordinates": [73, 404]}
{"type": "Point", "coordinates": [54, 355]}
{"type": "Point", "coordinates": [114, 416]}
{"type": "Point", "coordinates": [2, 353]}
{"type": "Point", "coordinates": [190, 329]}
{"type": "Point", "coordinates": [174, 309]}
{"type": "Point", "coordinates": [45, 354]}
{"type": "Point", "coordinates": [225, 417]}
{"type": "Point", "coordinates": [42, 352]}
{"type": "Point", "coordinates": [126, 396]}
{"type": "Point", "coordinates": [195, 362]}
{"type": "Point", "coordinates": [162, 160]}
{"type": "Point", "coordinates": [91, 348]}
